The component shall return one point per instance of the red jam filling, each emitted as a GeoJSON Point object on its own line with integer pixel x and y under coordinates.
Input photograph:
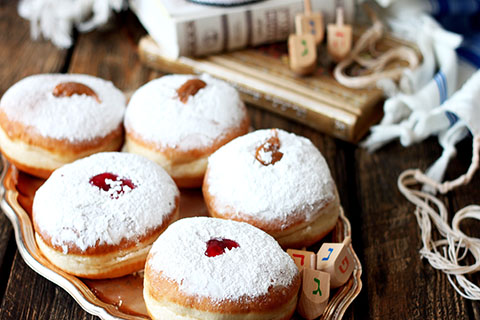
{"type": "Point", "coordinates": [106, 181]}
{"type": "Point", "coordinates": [217, 246]}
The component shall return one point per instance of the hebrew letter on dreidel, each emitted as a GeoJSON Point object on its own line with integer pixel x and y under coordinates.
{"type": "Point", "coordinates": [303, 259]}
{"type": "Point", "coordinates": [304, 47]}
{"type": "Point", "coordinates": [318, 291]}
{"type": "Point", "coordinates": [344, 266]}
{"type": "Point", "coordinates": [335, 258]}
{"type": "Point", "coordinates": [314, 294]}
{"type": "Point", "coordinates": [330, 250]}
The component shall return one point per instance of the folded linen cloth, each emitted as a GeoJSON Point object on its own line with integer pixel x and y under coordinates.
{"type": "Point", "coordinates": [55, 20]}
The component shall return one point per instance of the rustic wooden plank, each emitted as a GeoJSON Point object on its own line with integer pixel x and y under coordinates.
{"type": "Point", "coordinates": [341, 159]}
{"type": "Point", "coordinates": [397, 282]}
{"type": "Point", "coordinates": [7, 251]}
{"type": "Point", "coordinates": [462, 197]}
{"type": "Point", "coordinates": [112, 54]}
{"type": "Point", "coordinates": [19, 57]}
{"type": "Point", "coordinates": [30, 296]}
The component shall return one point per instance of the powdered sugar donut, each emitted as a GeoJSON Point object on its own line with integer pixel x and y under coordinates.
{"type": "Point", "coordinates": [276, 181]}
{"type": "Point", "coordinates": [48, 120]}
{"type": "Point", "coordinates": [98, 217]}
{"type": "Point", "coordinates": [179, 120]}
{"type": "Point", "coordinates": [207, 268]}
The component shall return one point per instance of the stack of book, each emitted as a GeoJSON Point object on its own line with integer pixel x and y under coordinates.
{"type": "Point", "coordinates": [183, 28]}
{"type": "Point", "coordinates": [262, 74]}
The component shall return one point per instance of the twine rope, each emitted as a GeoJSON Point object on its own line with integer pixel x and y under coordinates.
{"type": "Point", "coordinates": [368, 40]}
{"type": "Point", "coordinates": [448, 253]}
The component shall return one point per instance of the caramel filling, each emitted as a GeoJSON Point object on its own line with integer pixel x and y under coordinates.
{"type": "Point", "coordinates": [68, 89]}
{"type": "Point", "coordinates": [190, 88]}
{"type": "Point", "coordinates": [268, 153]}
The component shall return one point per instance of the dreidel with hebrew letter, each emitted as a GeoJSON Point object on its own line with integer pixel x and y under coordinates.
{"type": "Point", "coordinates": [310, 22]}
{"type": "Point", "coordinates": [336, 259]}
{"type": "Point", "coordinates": [314, 293]}
{"type": "Point", "coordinates": [302, 53]}
{"type": "Point", "coordinates": [303, 259]}
{"type": "Point", "coordinates": [339, 38]}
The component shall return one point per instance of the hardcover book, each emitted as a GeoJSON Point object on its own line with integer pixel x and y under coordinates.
{"type": "Point", "coordinates": [183, 28]}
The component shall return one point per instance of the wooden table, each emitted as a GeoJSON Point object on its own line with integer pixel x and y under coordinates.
{"type": "Point", "coordinates": [396, 283]}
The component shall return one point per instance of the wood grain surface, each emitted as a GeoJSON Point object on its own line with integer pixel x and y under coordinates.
{"type": "Point", "coordinates": [397, 284]}
{"type": "Point", "coordinates": [19, 57]}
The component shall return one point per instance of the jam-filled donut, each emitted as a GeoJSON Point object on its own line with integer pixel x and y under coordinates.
{"type": "Point", "coordinates": [207, 268]}
{"type": "Point", "coordinates": [48, 120]}
{"type": "Point", "coordinates": [98, 216]}
{"type": "Point", "coordinates": [179, 120]}
{"type": "Point", "coordinates": [276, 181]}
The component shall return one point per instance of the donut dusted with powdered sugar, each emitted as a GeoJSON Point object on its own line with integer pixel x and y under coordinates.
{"type": "Point", "coordinates": [276, 181]}
{"type": "Point", "coordinates": [98, 217]}
{"type": "Point", "coordinates": [48, 120]}
{"type": "Point", "coordinates": [179, 120]}
{"type": "Point", "coordinates": [207, 268]}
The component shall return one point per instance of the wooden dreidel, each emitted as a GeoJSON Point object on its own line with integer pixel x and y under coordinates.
{"type": "Point", "coordinates": [335, 258]}
{"type": "Point", "coordinates": [314, 293]}
{"type": "Point", "coordinates": [310, 22]}
{"type": "Point", "coordinates": [302, 52]}
{"type": "Point", "coordinates": [303, 259]}
{"type": "Point", "coordinates": [339, 38]}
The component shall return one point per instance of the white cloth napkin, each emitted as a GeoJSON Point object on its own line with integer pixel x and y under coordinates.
{"type": "Point", "coordinates": [55, 20]}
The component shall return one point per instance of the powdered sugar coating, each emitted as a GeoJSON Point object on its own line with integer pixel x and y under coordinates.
{"type": "Point", "coordinates": [157, 115]}
{"type": "Point", "coordinates": [247, 271]}
{"type": "Point", "coordinates": [264, 156]}
{"type": "Point", "coordinates": [72, 210]}
{"type": "Point", "coordinates": [76, 118]}
{"type": "Point", "coordinates": [298, 184]}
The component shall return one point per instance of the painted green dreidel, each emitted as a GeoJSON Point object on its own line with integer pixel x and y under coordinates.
{"type": "Point", "coordinates": [310, 22]}
{"type": "Point", "coordinates": [336, 259]}
{"type": "Point", "coordinates": [303, 259]}
{"type": "Point", "coordinates": [314, 293]}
